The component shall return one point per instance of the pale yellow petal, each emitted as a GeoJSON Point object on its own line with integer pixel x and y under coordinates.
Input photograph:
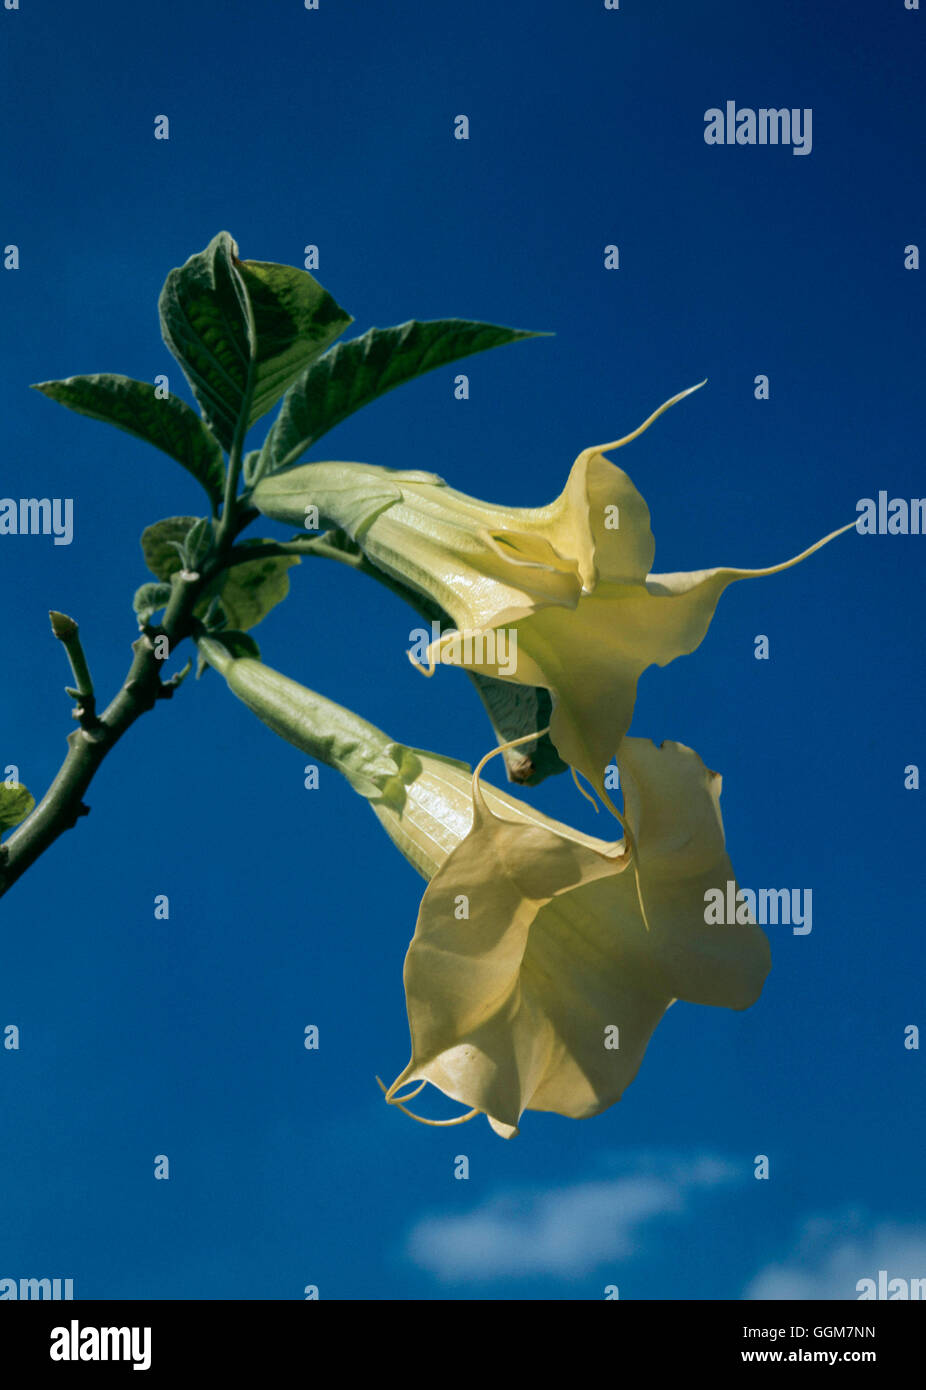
{"type": "Point", "coordinates": [591, 659]}
{"type": "Point", "coordinates": [530, 958]}
{"type": "Point", "coordinates": [475, 1033]}
{"type": "Point", "coordinates": [672, 802]}
{"type": "Point", "coordinates": [601, 521]}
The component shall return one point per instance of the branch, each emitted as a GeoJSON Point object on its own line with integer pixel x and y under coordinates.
{"type": "Point", "coordinates": [63, 805]}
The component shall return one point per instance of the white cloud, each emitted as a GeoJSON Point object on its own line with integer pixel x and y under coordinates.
{"type": "Point", "coordinates": [567, 1231]}
{"type": "Point", "coordinates": [833, 1253]}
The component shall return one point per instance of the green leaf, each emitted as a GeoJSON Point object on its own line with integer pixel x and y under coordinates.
{"type": "Point", "coordinates": [169, 423]}
{"type": "Point", "coordinates": [162, 542]}
{"type": "Point", "coordinates": [148, 599]}
{"type": "Point", "coordinates": [353, 374]}
{"type": "Point", "coordinates": [243, 330]}
{"type": "Point", "coordinates": [296, 320]}
{"type": "Point", "coordinates": [248, 591]}
{"type": "Point", "coordinates": [16, 802]}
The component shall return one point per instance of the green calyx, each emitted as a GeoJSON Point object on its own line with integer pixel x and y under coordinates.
{"type": "Point", "coordinates": [317, 726]}
{"type": "Point", "coordinates": [422, 800]}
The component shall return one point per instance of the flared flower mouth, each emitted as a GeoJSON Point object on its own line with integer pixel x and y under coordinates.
{"type": "Point", "coordinates": [560, 597]}
{"type": "Point", "coordinates": [533, 980]}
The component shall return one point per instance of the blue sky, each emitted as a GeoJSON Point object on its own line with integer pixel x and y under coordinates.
{"type": "Point", "coordinates": [290, 907]}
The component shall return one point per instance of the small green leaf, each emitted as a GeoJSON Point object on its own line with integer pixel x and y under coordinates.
{"type": "Point", "coordinates": [16, 803]}
{"type": "Point", "coordinates": [169, 423]}
{"type": "Point", "coordinates": [353, 374]}
{"type": "Point", "coordinates": [161, 544]}
{"type": "Point", "coordinates": [149, 598]}
{"type": "Point", "coordinates": [243, 330]}
{"type": "Point", "coordinates": [197, 543]}
{"type": "Point", "coordinates": [248, 591]}
{"type": "Point", "coordinates": [249, 467]}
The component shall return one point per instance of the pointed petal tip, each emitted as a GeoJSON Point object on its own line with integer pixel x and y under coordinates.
{"type": "Point", "coordinates": [635, 434]}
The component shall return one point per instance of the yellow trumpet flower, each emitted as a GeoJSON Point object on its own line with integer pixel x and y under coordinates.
{"type": "Point", "coordinates": [559, 596]}
{"type": "Point", "coordinates": [533, 980]}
